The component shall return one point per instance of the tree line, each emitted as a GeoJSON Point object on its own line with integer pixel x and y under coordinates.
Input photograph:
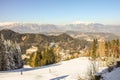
{"type": "Point", "coordinates": [105, 48]}
{"type": "Point", "coordinates": [44, 57]}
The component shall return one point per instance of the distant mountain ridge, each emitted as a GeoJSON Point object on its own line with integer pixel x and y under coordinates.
{"type": "Point", "coordinates": [80, 27]}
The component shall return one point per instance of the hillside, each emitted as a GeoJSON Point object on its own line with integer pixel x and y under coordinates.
{"type": "Point", "coordinates": [27, 40]}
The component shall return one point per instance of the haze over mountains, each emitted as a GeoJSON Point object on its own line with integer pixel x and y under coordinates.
{"type": "Point", "coordinates": [80, 27]}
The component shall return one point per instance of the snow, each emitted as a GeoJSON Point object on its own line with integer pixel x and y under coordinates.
{"type": "Point", "coordinates": [82, 22]}
{"type": "Point", "coordinates": [66, 70]}
{"type": "Point", "coordinates": [113, 75]}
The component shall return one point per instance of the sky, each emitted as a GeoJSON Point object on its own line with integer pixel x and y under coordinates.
{"type": "Point", "coordinates": [60, 11]}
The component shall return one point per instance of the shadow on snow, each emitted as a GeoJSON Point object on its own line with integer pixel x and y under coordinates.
{"type": "Point", "coordinates": [60, 77]}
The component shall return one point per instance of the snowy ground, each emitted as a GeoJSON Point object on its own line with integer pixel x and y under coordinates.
{"type": "Point", "coordinates": [66, 70]}
{"type": "Point", "coordinates": [113, 75]}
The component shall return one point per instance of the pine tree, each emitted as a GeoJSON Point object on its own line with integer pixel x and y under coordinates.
{"type": "Point", "coordinates": [118, 48]}
{"type": "Point", "coordinates": [94, 49]}
{"type": "Point", "coordinates": [45, 57]}
{"type": "Point", "coordinates": [106, 49]}
{"type": "Point", "coordinates": [101, 48]}
{"type": "Point", "coordinates": [32, 60]}
{"type": "Point", "coordinates": [10, 55]}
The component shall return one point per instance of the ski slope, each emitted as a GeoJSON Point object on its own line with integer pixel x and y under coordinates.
{"type": "Point", "coordinates": [65, 70]}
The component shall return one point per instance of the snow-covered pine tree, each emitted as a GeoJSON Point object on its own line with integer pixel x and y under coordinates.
{"type": "Point", "coordinates": [10, 55]}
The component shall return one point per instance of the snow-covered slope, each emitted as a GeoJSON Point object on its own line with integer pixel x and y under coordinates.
{"type": "Point", "coordinates": [113, 75]}
{"type": "Point", "coordinates": [66, 70]}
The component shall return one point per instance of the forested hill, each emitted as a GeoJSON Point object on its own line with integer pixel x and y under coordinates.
{"type": "Point", "coordinates": [26, 40]}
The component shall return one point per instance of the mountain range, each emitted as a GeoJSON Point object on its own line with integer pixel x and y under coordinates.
{"type": "Point", "coordinates": [78, 27]}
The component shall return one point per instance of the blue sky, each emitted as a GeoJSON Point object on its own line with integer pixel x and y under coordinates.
{"type": "Point", "coordinates": [60, 11]}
